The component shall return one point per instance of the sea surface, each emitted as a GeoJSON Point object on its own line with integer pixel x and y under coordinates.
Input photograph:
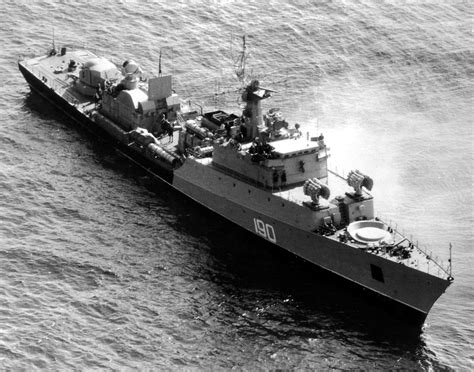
{"type": "Point", "coordinates": [101, 267]}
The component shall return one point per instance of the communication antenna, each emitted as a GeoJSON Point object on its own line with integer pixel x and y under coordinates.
{"type": "Point", "coordinates": [450, 263]}
{"type": "Point", "coordinates": [53, 50]}
{"type": "Point", "coordinates": [240, 61]}
{"type": "Point", "coordinates": [159, 65]}
{"type": "Point", "coordinates": [172, 62]}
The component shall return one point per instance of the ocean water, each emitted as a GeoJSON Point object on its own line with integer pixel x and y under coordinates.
{"type": "Point", "coordinates": [103, 268]}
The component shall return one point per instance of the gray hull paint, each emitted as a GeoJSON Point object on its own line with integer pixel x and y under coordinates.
{"type": "Point", "coordinates": [228, 197]}
{"type": "Point", "coordinates": [217, 192]}
{"type": "Point", "coordinates": [37, 86]}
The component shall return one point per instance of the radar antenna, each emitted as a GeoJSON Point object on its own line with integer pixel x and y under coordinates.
{"type": "Point", "coordinates": [239, 63]}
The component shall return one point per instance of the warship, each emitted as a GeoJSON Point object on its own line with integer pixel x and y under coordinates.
{"type": "Point", "coordinates": [253, 168]}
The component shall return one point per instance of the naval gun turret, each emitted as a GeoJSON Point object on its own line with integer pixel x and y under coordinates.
{"type": "Point", "coordinates": [137, 102]}
{"type": "Point", "coordinates": [93, 74]}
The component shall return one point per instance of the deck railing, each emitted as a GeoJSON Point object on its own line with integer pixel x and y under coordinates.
{"type": "Point", "coordinates": [424, 250]}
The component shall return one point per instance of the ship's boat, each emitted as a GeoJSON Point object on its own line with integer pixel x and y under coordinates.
{"type": "Point", "coordinates": [253, 168]}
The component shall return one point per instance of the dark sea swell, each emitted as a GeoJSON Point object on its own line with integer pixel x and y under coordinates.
{"type": "Point", "coordinates": [104, 269]}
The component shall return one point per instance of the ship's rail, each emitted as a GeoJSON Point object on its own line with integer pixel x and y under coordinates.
{"type": "Point", "coordinates": [77, 47]}
{"type": "Point", "coordinates": [54, 83]}
{"type": "Point", "coordinates": [39, 52]}
{"type": "Point", "coordinates": [441, 270]}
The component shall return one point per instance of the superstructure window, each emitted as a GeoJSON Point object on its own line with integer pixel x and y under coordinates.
{"type": "Point", "coordinates": [377, 273]}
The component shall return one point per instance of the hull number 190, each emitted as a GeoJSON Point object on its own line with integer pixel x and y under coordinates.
{"type": "Point", "coordinates": [264, 230]}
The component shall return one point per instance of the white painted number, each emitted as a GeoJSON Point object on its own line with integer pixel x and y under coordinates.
{"type": "Point", "coordinates": [264, 229]}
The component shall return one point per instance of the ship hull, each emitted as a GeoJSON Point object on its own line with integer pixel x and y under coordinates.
{"type": "Point", "coordinates": [411, 292]}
